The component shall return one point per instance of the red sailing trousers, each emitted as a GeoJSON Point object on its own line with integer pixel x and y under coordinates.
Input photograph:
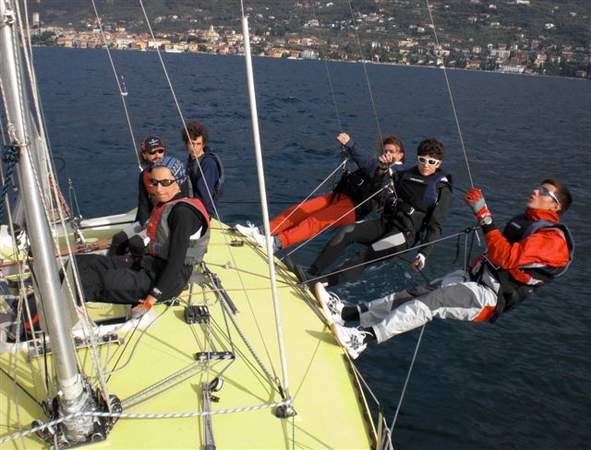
{"type": "Point", "coordinates": [298, 223]}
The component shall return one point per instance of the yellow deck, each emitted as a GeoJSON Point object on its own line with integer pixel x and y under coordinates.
{"type": "Point", "coordinates": [330, 410]}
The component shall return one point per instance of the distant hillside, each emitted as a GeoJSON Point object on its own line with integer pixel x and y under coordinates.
{"type": "Point", "coordinates": [462, 21]}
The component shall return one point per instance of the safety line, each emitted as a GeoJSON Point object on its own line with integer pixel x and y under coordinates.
{"type": "Point", "coordinates": [381, 258]}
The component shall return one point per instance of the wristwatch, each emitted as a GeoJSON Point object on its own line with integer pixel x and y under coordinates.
{"type": "Point", "coordinates": [486, 220]}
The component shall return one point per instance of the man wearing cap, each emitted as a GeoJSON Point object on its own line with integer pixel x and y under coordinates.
{"type": "Point", "coordinates": [178, 232]}
{"type": "Point", "coordinates": [152, 149]}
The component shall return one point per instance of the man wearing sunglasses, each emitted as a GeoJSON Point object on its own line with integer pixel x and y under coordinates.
{"type": "Point", "coordinates": [414, 204]}
{"type": "Point", "coordinates": [532, 250]}
{"type": "Point", "coordinates": [130, 239]}
{"type": "Point", "coordinates": [178, 232]}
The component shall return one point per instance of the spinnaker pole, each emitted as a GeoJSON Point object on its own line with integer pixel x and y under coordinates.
{"type": "Point", "coordinates": [264, 207]}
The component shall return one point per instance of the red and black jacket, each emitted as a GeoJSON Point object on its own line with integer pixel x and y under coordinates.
{"type": "Point", "coordinates": [533, 249]}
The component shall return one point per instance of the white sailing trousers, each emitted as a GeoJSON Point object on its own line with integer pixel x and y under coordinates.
{"type": "Point", "coordinates": [451, 297]}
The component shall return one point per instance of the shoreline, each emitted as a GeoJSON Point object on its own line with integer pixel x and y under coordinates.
{"type": "Point", "coordinates": [425, 66]}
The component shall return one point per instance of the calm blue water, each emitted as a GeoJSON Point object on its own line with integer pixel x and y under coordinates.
{"type": "Point", "coordinates": [522, 383]}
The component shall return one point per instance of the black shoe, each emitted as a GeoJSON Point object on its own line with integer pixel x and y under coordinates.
{"type": "Point", "coordinates": [301, 273]}
{"type": "Point", "coordinates": [297, 269]}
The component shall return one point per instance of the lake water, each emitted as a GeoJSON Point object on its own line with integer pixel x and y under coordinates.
{"type": "Point", "coordinates": [521, 383]}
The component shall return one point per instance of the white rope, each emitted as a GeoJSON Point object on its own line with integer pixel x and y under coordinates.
{"type": "Point", "coordinates": [451, 98]}
{"type": "Point", "coordinates": [123, 415]}
{"type": "Point", "coordinates": [120, 86]}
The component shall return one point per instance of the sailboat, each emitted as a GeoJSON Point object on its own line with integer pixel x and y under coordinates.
{"type": "Point", "coordinates": [207, 370]}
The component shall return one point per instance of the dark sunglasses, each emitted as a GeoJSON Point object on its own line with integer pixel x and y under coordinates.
{"type": "Point", "coordinates": [543, 190]}
{"type": "Point", "coordinates": [164, 183]}
{"type": "Point", "coordinates": [429, 161]}
{"type": "Point", "coordinates": [153, 152]}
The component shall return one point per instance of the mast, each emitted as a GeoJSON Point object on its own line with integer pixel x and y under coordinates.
{"type": "Point", "coordinates": [73, 395]}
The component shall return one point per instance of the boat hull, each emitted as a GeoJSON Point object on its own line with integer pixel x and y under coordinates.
{"type": "Point", "coordinates": [330, 409]}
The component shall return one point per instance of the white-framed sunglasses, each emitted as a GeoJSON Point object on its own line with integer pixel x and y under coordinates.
{"type": "Point", "coordinates": [543, 190]}
{"type": "Point", "coordinates": [428, 161]}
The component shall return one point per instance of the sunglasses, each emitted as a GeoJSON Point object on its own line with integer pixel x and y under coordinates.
{"type": "Point", "coordinates": [543, 190]}
{"type": "Point", "coordinates": [153, 152]}
{"type": "Point", "coordinates": [164, 183]}
{"type": "Point", "coordinates": [428, 161]}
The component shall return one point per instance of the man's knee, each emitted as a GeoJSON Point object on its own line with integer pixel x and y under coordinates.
{"type": "Point", "coordinates": [455, 296]}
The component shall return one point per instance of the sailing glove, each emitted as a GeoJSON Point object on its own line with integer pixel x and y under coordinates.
{"type": "Point", "coordinates": [419, 262]}
{"type": "Point", "coordinates": [475, 200]}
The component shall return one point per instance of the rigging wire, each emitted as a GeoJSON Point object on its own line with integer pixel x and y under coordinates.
{"type": "Point", "coordinates": [265, 212]}
{"type": "Point", "coordinates": [329, 80]}
{"type": "Point", "coordinates": [467, 252]}
{"type": "Point", "coordinates": [216, 212]}
{"type": "Point", "coordinates": [56, 205]}
{"type": "Point", "coordinates": [294, 210]}
{"type": "Point", "coordinates": [343, 164]}
{"type": "Point", "coordinates": [382, 258]}
{"type": "Point", "coordinates": [120, 85]}
{"type": "Point", "coordinates": [364, 65]}
{"type": "Point", "coordinates": [451, 97]}
{"type": "Point", "coordinates": [207, 187]}
{"type": "Point", "coordinates": [307, 241]}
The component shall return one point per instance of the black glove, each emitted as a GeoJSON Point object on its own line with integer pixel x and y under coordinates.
{"type": "Point", "coordinates": [136, 246]}
{"type": "Point", "coordinates": [118, 244]}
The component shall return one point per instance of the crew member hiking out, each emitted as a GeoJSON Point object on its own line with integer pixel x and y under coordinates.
{"type": "Point", "coordinates": [204, 167]}
{"type": "Point", "coordinates": [415, 202]}
{"type": "Point", "coordinates": [178, 232]}
{"type": "Point", "coordinates": [533, 249]}
{"type": "Point", "coordinates": [346, 204]}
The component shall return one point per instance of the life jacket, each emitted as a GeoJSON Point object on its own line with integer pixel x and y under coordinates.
{"type": "Point", "coordinates": [195, 173]}
{"type": "Point", "coordinates": [357, 186]}
{"type": "Point", "coordinates": [411, 201]}
{"type": "Point", "coordinates": [147, 178]}
{"type": "Point", "coordinates": [518, 284]}
{"type": "Point", "coordinates": [159, 232]}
